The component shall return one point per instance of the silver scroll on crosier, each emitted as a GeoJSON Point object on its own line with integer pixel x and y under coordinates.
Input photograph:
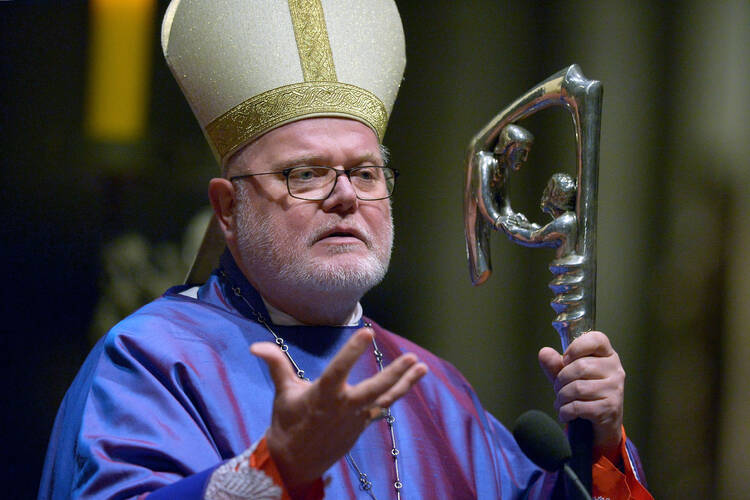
{"type": "Point", "coordinates": [500, 149]}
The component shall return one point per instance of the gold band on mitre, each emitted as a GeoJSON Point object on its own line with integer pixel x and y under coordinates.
{"type": "Point", "coordinates": [313, 45]}
{"type": "Point", "coordinates": [271, 109]}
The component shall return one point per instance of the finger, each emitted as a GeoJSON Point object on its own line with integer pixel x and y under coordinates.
{"type": "Point", "coordinates": [338, 369]}
{"type": "Point", "coordinates": [610, 388]}
{"type": "Point", "coordinates": [375, 412]}
{"type": "Point", "coordinates": [603, 413]}
{"type": "Point", "coordinates": [580, 390]}
{"type": "Point", "coordinates": [591, 368]}
{"type": "Point", "coordinates": [551, 362]}
{"type": "Point", "coordinates": [404, 384]}
{"type": "Point", "coordinates": [591, 343]}
{"type": "Point", "coordinates": [278, 365]}
{"type": "Point", "coordinates": [365, 392]}
{"type": "Point", "coordinates": [579, 409]}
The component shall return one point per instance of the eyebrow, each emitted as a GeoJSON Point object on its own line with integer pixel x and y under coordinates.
{"type": "Point", "coordinates": [321, 160]}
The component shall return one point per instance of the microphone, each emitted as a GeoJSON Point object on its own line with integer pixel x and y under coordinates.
{"type": "Point", "coordinates": [542, 440]}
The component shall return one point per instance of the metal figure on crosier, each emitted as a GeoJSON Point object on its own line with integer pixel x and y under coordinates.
{"type": "Point", "coordinates": [500, 149]}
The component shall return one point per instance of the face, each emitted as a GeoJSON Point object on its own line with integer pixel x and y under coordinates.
{"type": "Point", "coordinates": [341, 244]}
{"type": "Point", "coordinates": [518, 154]}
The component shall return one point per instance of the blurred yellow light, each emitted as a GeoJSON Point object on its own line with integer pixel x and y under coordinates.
{"type": "Point", "coordinates": [119, 69]}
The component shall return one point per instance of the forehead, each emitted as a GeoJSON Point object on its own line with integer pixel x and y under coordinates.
{"type": "Point", "coordinates": [327, 141]}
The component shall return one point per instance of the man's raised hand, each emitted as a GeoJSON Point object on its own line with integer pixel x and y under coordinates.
{"type": "Point", "coordinates": [314, 424]}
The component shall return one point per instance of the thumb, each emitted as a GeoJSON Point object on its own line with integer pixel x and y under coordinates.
{"type": "Point", "coordinates": [551, 362]}
{"type": "Point", "coordinates": [278, 365]}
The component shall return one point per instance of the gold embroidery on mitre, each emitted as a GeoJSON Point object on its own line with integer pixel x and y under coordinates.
{"type": "Point", "coordinates": [260, 113]}
{"type": "Point", "coordinates": [313, 46]}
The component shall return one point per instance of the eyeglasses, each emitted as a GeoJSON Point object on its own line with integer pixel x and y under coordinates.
{"type": "Point", "coordinates": [317, 183]}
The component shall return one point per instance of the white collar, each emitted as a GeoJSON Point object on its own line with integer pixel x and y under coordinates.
{"type": "Point", "coordinates": [281, 318]}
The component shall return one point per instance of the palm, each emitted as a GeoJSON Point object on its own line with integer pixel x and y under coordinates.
{"type": "Point", "coordinates": [314, 424]}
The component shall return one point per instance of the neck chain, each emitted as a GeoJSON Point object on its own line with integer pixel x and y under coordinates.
{"type": "Point", "coordinates": [364, 483]}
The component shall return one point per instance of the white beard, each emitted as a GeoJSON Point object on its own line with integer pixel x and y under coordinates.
{"type": "Point", "coordinates": [279, 256]}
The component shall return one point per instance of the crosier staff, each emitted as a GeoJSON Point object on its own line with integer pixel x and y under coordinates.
{"type": "Point", "coordinates": [493, 154]}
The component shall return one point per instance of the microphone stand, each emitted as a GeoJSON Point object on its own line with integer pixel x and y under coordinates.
{"type": "Point", "coordinates": [573, 478]}
{"type": "Point", "coordinates": [581, 437]}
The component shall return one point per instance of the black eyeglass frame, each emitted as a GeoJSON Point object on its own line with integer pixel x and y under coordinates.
{"type": "Point", "coordinates": [347, 172]}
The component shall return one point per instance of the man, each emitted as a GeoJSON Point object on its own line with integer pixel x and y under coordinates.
{"type": "Point", "coordinates": [293, 98]}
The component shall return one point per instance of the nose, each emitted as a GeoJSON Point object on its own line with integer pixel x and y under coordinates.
{"type": "Point", "coordinates": [343, 198]}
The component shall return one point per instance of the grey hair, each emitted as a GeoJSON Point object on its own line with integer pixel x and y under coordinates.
{"type": "Point", "coordinates": [385, 153]}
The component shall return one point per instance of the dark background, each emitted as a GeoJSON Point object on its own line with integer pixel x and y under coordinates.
{"type": "Point", "coordinates": [673, 228]}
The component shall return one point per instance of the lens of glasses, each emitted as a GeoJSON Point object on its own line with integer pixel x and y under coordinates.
{"type": "Point", "coordinates": [311, 183]}
{"type": "Point", "coordinates": [316, 183]}
{"type": "Point", "coordinates": [371, 183]}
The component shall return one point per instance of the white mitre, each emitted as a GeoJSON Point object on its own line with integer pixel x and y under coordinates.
{"type": "Point", "coordinates": [249, 66]}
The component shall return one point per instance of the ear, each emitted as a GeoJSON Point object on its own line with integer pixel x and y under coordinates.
{"type": "Point", "coordinates": [222, 195]}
